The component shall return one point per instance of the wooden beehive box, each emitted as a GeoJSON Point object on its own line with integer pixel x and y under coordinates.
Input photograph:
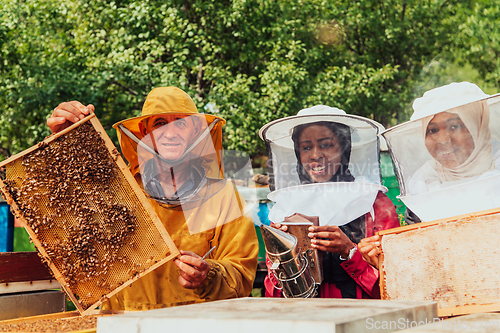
{"type": "Point", "coordinates": [90, 221]}
{"type": "Point", "coordinates": [451, 261]}
{"type": "Point", "coordinates": [70, 322]}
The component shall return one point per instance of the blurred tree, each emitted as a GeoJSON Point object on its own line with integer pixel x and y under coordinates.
{"type": "Point", "coordinates": [250, 61]}
{"type": "Point", "coordinates": [477, 40]}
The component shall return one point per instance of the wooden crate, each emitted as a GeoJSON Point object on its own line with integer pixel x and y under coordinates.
{"type": "Point", "coordinates": [27, 287]}
{"type": "Point", "coordinates": [71, 322]}
{"type": "Point", "coordinates": [21, 267]}
{"type": "Point", "coordinates": [90, 221]}
{"type": "Point", "coordinates": [451, 261]}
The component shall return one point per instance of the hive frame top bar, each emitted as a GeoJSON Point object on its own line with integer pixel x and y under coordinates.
{"type": "Point", "coordinates": [431, 223]}
{"type": "Point", "coordinates": [49, 139]}
{"type": "Point", "coordinates": [145, 208]}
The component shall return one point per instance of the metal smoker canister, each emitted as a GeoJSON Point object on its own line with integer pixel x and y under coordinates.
{"type": "Point", "coordinates": [289, 264]}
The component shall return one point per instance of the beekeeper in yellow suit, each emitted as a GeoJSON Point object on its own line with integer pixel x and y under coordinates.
{"type": "Point", "coordinates": [174, 152]}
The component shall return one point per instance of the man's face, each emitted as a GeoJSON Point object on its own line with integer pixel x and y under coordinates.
{"type": "Point", "coordinates": [172, 134]}
{"type": "Point", "coordinates": [448, 140]}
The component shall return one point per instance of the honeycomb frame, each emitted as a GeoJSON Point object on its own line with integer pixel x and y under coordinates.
{"type": "Point", "coordinates": [441, 261]}
{"type": "Point", "coordinates": [92, 226]}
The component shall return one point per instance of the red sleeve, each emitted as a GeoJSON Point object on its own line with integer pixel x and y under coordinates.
{"type": "Point", "coordinates": [385, 213]}
{"type": "Point", "coordinates": [270, 282]}
{"type": "Point", "coordinates": [365, 275]}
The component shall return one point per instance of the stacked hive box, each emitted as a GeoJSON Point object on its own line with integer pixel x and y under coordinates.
{"type": "Point", "coordinates": [57, 322]}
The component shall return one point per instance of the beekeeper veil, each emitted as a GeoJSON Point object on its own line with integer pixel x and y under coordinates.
{"type": "Point", "coordinates": [176, 152]}
{"type": "Point", "coordinates": [447, 150]}
{"type": "Point", "coordinates": [323, 162]}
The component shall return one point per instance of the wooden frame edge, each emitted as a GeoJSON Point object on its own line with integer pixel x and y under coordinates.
{"type": "Point", "coordinates": [93, 307]}
{"type": "Point", "coordinates": [381, 280]}
{"type": "Point", "coordinates": [420, 225]}
{"type": "Point", "coordinates": [47, 140]}
{"type": "Point", "coordinates": [468, 309]}
{"type": "Point", "coordinates": [57, 315]}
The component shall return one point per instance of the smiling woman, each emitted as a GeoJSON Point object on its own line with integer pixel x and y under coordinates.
{"type": "Point", "coordinates": [323, 150]}
{"type": "Point", "coordinates": [458, 140]}
{"type": "Point", "coordinates": [448, 140]}
{"type": "Point", "coordinates": [447, 156]}
{"type": "Point", "coordinates": [325, 164]}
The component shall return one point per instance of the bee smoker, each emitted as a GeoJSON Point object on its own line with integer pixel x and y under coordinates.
{"type": "Point", "coordinates": [290, 265]}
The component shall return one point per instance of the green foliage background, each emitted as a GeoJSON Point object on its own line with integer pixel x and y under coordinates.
{"type": "Point", "coordinates": [249, 61]}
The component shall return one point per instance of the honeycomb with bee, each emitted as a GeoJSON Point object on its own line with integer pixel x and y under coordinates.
{"type": "Point", "coordinates": [90, 221]}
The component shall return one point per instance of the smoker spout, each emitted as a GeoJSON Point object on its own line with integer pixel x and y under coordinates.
{"type": "Point", "coordinates": [277, 241]}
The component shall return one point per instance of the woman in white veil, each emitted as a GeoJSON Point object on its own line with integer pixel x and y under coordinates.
{"type": "Point", "coordinates": [459, 141]}
{"type": "Point", "coordinates": [456, 132]}
{"type": "Point", "coordinates": [333, 155]}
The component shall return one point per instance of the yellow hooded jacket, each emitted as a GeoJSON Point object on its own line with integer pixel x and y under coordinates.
{"type": "Point", "coordinates": [233, 263]}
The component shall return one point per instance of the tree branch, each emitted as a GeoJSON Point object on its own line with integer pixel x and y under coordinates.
{"type": "Point", "coordinates": [199, 79]}
{"type": "Point", "coordinates": [5, 152]}
{"type": "Point", "coordinates": [133, 92]}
